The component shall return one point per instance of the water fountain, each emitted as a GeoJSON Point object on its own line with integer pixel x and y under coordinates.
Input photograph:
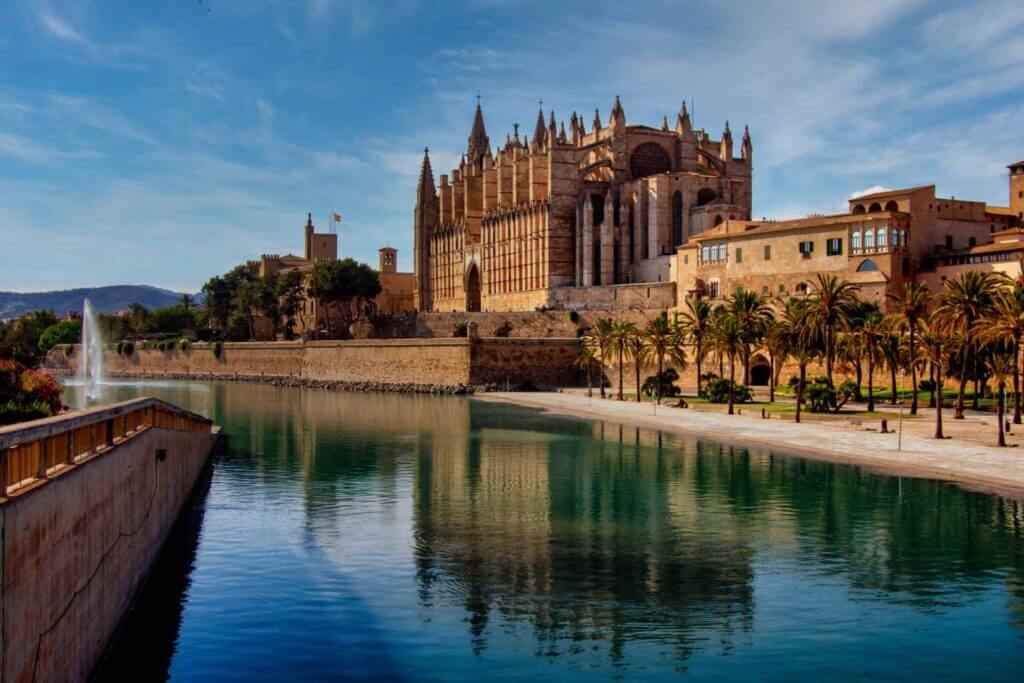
{"type": "Point", "coordinates": [90, 361]}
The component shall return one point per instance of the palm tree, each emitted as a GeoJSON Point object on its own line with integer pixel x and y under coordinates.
{"type": "Point", "coordinates": [586, 359]}
{"type": "Point", "coordinates": [636, 351]}
{"type": "Point", "coordinates": [804, 342]}
{"type": "Point", "coordinates": [1005, 320]}
{"type": "Point", "coordinates": [752, 314]}
{"type": "Point", "coordinates": [869, 335]}
{"type": "Point", "coordinates": [731, 338]}
{"type": "Point", "coordinates": [828, 311]}
{"type": "Point", "coordinates": [622, 330]}
{"type": "Point", "coordinates": [965, 301]}
{"type": "Point", "coordinates": [186, 301]}
{"type": "Point", "coordinates": [600, 339]}
{"type": "Point", "coordinates": [662, 340]}
{"type": "Point", "coordinates": [936, 347]}
{"type": "Point", "coordinates": [909, 308]}
{"type": "Point", "coordinates": [889, 350]}
{"type": "Point", "coordinates": [776, 340]}
{"type": "Point", "coordinates": [695, 322]}
{"type": "Point", "coordinates": [1001, 364]}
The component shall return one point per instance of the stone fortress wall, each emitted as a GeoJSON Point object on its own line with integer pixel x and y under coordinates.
{"type": "Point", "coordinates": [387, 364]}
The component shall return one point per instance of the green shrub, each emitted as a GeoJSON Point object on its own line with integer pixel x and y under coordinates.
{"type": "Point", "coordinates": [119, 348]}
{"type": "Point", "coordinates": [581, 331]}
{"type": "Point", "coordinates": [64, 332]}
{"type": "Point", "coordinates": [667, 380]}
{"type": "Point", "coordinates": [822, 398]}
{"type": "Point", "coordinates": [926, 385]}
{"type": "Point", "coordinates": [460, 330]}
{"type": "Point", "coordinates": [69, 349]}
{"type": "Point", "coordinates": [574, 317]}
{"type": "Point", "coordinates": [717, 391]}
{"type": "Point", "coordinates": [128, 348]}
{"type": "Point", "coordinates": [183, 344]}
{"type": "Point", "coordinates": [217, 348]}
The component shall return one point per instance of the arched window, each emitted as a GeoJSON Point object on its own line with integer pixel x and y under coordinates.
{"type": "Point", "coordinates": [869, 239]}
{"type": "Point", "coordinates": [704, 253]}
{"type": "Point", "coordinates": [859, 208]}
{"type": "Point", "coordinates": [705, 196]}
{"type": "Point", "coordinates": [875, 207]}
{"type": "Point", "coordinates": [648, 159]}
{"type": "Point", "coordinates": [855, 240]}
{"type": "Point", "coordinates": [867, 265]}
{"type": "Point", "coordinates": [721, 252]}
{"type": "Point", "coordinates": [677, 218]}
{"type": "Point", "coordinates": [713, 288]}
{"type": "Point", "coordinates": [882, 235]}
{"type": "Point", "coordinates": [891, 205]}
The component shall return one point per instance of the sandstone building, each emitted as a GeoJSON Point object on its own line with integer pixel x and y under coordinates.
{"type": "Point", "coordinates": [396, 294]}
{"type": "Point", "coordinates": [577, 218]}
{"type": "Point", "coordinates": [883, 240]}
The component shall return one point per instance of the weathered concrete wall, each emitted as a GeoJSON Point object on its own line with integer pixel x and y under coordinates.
{"type": "Point", "coordinates": [410, 363]}
{"type": "Point", "coordinates": [76, 548]}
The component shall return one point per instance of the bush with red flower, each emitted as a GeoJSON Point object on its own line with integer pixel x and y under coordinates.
{"type": "Point", "coordinates": [27, 394]}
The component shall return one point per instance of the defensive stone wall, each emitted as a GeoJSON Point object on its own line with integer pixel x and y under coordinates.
{"type": "Point", "coordinates": [521, 325]}
{"type": "Point", "coordinates": [399, 364]}
{"type": "Point", "coordinates": [78, 542]}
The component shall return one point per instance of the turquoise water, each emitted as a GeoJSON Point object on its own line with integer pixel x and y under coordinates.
{"type": "Point", "coordinates": [391, 537]}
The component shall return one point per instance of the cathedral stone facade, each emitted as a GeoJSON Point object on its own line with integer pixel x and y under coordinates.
{"type": "Point", "coordinates": [578, 218]}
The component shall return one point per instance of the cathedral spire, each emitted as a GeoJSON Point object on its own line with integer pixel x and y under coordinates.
{"type": "Point", "coordinates": [552, 129]}
{"type": "Point", "coordinates": [725, 152]}
{"type": "Point", "coordinates": [561, 133]}
{"type": "Point", "coordinates": [426, 184]}
{"type": "Point", "coordinates": [597, 120]}
{"type": "Point", "coordinates": [618, 115]}
{"type": "Point", "coordinates": [540, 129]}
{"type": "Point", "coordinates": [683, 125]}
{"type": "Point", "coordinates": [664, 123]}
{"type": "Point", "coordinates": [747, 148]}
{"type": "Point", "coordinates": [479, 144]}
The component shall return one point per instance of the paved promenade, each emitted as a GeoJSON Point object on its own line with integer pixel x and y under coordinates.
{"type": "Point", "coordinates": [966, 461]}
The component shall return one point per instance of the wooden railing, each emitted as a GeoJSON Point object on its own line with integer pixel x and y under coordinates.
{"type": "Point", "coordinates": [34, 451]}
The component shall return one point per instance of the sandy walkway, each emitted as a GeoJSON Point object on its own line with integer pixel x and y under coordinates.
{"type": "Point", "coordinates": [997, 470]}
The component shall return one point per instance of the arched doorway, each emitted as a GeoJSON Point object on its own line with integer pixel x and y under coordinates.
{"type": "Point", "coordinates": [759, 374]}
{"type": "Point", "coordinates": [473, 289]}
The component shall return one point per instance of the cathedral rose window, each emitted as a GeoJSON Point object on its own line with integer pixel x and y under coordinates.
{"type": "Point", "coordinates": [648, 159]}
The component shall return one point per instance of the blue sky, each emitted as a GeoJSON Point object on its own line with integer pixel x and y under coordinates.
{"type": "Point", "coordinates": [161, 142]}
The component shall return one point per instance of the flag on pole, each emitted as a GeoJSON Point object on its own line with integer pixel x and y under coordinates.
{"type": "Point", "coordinates": [337, 218]}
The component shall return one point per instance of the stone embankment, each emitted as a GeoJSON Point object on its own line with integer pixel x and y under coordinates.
{"type": "Point", "coordinates": [86, 501]}
{"type": "Point", "coordinates": [436, 366]}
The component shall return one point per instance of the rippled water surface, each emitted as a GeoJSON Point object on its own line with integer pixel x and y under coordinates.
{"type": "Point", "coordinates": [391, 537]}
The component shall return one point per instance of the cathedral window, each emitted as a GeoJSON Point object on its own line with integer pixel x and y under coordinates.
{"type": "Point", "coordinates": [677, 218]}
{"type": "Point", "coordinates": [869, 239]}
{"type": "Point", "coordinates": [648, 159]}
{"type": "Point", "coordinates": [705, 254]}
{"type": "Point", "coordinates": [721, 252]}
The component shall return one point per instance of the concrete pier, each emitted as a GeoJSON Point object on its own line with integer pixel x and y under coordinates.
{"type": "Point", "coordinates": [86, 501]}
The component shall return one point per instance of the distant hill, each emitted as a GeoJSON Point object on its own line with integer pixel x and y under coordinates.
{"type": "Point", "coordinates": [104, 299]}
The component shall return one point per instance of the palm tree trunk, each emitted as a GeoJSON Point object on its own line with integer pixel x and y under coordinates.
{"type": "Point", "coordinates": [871, 384]}
{"type": "Point", "coordinates": [590, 380]}
{"type": "Point", "coordinates": [771, 378]}
{"type": "Point", "coordinates": [1016, 380]}
{"type": "Point", "coordinates": [977, 380]}
{"type": "Point", "coordinates": [892, 378]}
{"type": "Point", "coordinates": [698, 350]}
{"type": "Point", "coordinates": [637, 365]}
{"type": "Point", "coordinates": [931, 376]}
{"type": "Point", "coordinates": [938, 407]}
{"type": "Point", "coordinates": [828, 354]}
{"type": "Point", "coordinates": [1002, 412]}
{"type": "Point", "coordinates": [913, 374]}
{"type": "Point", "coordinates": [732, 374]}
{"type": "Point", "coordinates": [958, 412]}
{"type": "Point", "coordinates": [600, 374]}
{"type": "Point", "coordinates": [800, 389]}
{"type": "Point", "coordinates": [657, 382]}
{"type": "Point", "coordinates": [746, 365]}
{"type": "Point", "coordinates": [620, 372]}
{"type": "Point", "coordinates": [859, 372]}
